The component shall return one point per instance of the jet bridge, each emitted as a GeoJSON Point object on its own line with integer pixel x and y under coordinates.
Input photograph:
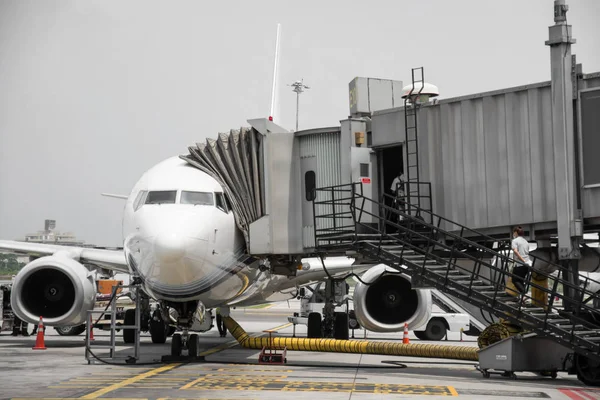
{"type": "Point", "coordinates": [270, 176]}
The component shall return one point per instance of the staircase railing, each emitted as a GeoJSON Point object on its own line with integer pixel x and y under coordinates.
{"type": "Point", "coordinates": [485, 270]}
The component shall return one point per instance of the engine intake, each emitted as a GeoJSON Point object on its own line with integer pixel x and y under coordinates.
{"type": "Point", "coordinates": [58, 288]}
{"type": "Point", "coordinates": [390, 302]}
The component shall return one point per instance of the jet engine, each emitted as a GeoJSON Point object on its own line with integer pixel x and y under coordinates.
{"type": "Point", "coordinates": [56, 287]}
{"type": "Point", "coordinates": [388, 301]}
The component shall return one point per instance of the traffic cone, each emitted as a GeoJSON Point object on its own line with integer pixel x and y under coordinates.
{"type": "Point", "coordinates": [405, 339]}
{"type": "Point", "coordinates": [39, 340]}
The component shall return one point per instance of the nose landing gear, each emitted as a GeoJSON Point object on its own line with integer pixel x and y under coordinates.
{"type": "Point", "coordinates": [185, 341]}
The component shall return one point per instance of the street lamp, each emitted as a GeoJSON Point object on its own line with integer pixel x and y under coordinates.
{"type": "Point", "coordinates": [298, 87]}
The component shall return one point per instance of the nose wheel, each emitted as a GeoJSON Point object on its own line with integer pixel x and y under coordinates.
{"type": "Point", "coordinates": [185, 341]}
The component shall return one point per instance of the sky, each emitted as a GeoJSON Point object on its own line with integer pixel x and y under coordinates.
{"type": "Point", "coordinates": [94, 93]}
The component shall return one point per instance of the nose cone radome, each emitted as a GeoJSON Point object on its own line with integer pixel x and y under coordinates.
{"type": "Point", "coordinates": [169, 247]}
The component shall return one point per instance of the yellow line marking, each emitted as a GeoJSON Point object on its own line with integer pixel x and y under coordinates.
{"type": "Point", "coordinates": [101, 392]}
{"type": "Point", "coordinates": [219, 348]}
{"type": "Point", "coordinates": [192, 383]}
{"type": "Point", "coordinates": [280, 327]}
{"type": "Point", "coordinates": [452, 390]}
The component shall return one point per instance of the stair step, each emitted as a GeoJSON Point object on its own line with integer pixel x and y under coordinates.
{"type": "Point", "coordinates": [593, 339]}
{"type": "Point", "coordinates": [483, 287]}
{"type": "Point", "coordinates": [582, 333]}
{"type": "Point", "coordinates": [558, 321]}
{"type": "Point", "coordinates": [498, 293]}
{"type": "Point", "coordinates": [568, 327]}
{"type": "Point", "coordinates": [468, 282]}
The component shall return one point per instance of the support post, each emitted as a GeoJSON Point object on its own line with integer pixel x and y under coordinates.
{"type": "Point", "coordinates": [568, 214]}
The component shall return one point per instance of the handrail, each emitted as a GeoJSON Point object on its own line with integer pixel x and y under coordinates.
{"type": "Point", "coordinates": [497, 287]}
{"type": "Point", "coordinates": [501, 260]}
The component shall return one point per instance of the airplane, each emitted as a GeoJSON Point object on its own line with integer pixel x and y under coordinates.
{"type": "Point", "coordinates": [182, 242]}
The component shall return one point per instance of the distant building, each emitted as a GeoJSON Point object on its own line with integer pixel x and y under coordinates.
{"type": "Point", "coordinates": [50, 236]}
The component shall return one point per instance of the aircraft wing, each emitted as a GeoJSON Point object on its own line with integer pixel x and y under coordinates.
{"type": "Point", "coordinates": [338, 267]}
{"type": "Point", "coordinates": [109, 259]}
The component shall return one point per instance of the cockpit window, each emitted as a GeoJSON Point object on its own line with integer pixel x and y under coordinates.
{"type": "Point", "coordinates": [197, 198]}
{"type": "Point", "coordinates": [139, 199]}
{"type": "Point", "coordinates": [221, 205]}
{"type": "Point", "coordinates": [161, 197]}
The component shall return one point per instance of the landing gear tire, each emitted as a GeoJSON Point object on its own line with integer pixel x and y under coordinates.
{"type": "Point", "coordinates": [588, 371]}
{"type": "Point", "coordinates": [158, 328]}
{"type": "Point", "coordinates": [420, 335]}
{"type": "Point", "coordinates": [176, 345]}
{"type": "Point", "coordinates": [435, 330]}
{"type": "Point", "coordinates": [70, 330]}
{"type": "Point", "coordinates": [193, 345]}
{"type": "Point", "coordinates": [314, 326]}
{"type": "Point", "coordinates": [129, 334]}
{"type": "Point", "coordinates": [341, 331]}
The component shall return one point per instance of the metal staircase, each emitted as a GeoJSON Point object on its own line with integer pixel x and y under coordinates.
{"type": "Point", "coordinates": [471, 271]}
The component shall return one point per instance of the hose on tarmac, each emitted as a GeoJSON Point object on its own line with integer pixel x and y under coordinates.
{"type": "Point", "coordinates": [351, 346]}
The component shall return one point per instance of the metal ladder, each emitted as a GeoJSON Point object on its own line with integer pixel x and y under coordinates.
{"type": "Point", "coordinates": [412, 185]}
{"type": "Point", "coordinates": [478, 277]}
{"type": "Point", "coordinates": [134, 291]}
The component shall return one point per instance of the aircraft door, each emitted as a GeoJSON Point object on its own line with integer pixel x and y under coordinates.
{"type": "Point", "coordinates": [308, 167]}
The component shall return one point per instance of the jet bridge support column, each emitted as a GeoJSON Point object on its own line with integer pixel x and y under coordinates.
{"type": "Point", "coordinates": [569, 221]}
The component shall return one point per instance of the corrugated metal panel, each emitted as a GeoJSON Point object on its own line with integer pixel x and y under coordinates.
{"type": "Point", "coordinates": [590, 195]}
{"type": "Point", "coordinates": [325, 147]}
{"type": "Point", "coordinates": [489, 158]}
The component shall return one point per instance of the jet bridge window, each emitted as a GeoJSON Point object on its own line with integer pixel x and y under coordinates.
{"type": "Point", "coordinates": [197, 198]}
{"type": "Point", "coordinates": [161, 197]}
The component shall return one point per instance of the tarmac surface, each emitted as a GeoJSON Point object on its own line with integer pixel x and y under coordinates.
{"type": "Point", "coordinates": [230, 372]}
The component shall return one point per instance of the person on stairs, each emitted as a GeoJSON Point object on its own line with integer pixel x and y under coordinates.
{"type": "Point", "coordinates": [520, 248]}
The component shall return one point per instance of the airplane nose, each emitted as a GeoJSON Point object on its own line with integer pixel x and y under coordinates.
{"type": "Point", "coordinates": [169, 247]}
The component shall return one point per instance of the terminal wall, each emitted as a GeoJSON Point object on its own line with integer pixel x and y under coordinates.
{"type": "Point", "coordinates": [488, 156]}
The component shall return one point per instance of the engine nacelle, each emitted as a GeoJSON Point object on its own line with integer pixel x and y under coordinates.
{"type": "Point", "coordinates": [384, 306]}
{"type": "Point", "coordinates": [56, 287]}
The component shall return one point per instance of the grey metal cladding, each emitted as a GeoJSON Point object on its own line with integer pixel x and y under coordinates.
{"type": "Point", "coordinates": [590, 132]}
{"type": "Point", "coordinates": [324, 147]}
{"type": "Point", "coordinates": [489, 157]}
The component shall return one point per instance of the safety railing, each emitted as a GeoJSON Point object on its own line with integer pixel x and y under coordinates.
{"type": "Point", "coordinates": [486, 270]}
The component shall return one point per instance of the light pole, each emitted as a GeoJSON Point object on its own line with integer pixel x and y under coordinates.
{"type": "Point", "coordinates": [299, 87]}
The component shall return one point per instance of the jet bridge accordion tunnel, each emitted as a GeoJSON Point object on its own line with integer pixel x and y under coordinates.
{"type": "Point", "coordinates": [351, 346]}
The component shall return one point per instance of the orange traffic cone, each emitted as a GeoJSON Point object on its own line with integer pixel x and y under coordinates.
{"type": "Point", "coordinates": [405, 339]}
{"type": "Point", "coordinates": [39, 340]}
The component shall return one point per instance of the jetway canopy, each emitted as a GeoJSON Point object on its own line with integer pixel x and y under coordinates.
{"type": "Point", "coordinates": [234, 160]}
{"type": "Point", "coordinates": [258, 171]}
{"type": "Point", "coordinates": [269, 173]}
